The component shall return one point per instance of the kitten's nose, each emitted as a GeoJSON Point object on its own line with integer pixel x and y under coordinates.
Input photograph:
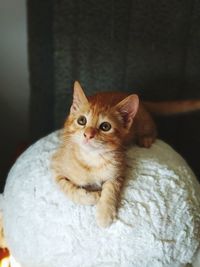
{"type": "Point", "coordinates": [90, 133]}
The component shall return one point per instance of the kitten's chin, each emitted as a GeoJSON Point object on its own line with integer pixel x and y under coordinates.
{"type": "Point", "coordinates": [90, 145]}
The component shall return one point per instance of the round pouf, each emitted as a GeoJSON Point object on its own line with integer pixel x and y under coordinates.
{"type": "Point", "coordinates": [158, 219]}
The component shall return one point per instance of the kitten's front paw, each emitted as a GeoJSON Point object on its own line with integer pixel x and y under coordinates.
{"type": "Point", "coordinates": [90, 198]}
{"type": "Point", "coordinates": [95, 196]}
{"type": "Point", "coordinates": [146, 141]}
{"type": "Point", "coordinates": [105, 215]}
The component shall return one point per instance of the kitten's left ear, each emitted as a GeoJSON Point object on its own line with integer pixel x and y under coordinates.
{"type": "Point", "coordinates": [128, 109]}
{"type": "Point", "coordinates": [79, 98]}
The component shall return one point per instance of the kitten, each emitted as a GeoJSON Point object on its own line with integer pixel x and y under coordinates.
{"type": "Point", "coordinates": [90, 164]}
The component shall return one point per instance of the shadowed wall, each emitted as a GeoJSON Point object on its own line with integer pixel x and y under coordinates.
{"type": "Point", "coordinates": [14, 84]}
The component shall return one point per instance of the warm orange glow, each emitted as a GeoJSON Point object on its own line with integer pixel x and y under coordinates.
{"type": "Point", "coordinates": [4, 257]}
{"type": "Point", "coordinates": [13, 262]}
{"type": "Point", "coordinates": [7, 260]}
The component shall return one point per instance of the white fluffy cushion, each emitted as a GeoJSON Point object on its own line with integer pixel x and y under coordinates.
{"type": "Point", "coordinates": [158, 219]}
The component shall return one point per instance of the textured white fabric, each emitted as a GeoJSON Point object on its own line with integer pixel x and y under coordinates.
{"type": "Point", "coordinates": [157, 225]}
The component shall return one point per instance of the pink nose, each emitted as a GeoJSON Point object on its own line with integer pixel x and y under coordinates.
{"type": "Point", "coordinates": [90, 133]}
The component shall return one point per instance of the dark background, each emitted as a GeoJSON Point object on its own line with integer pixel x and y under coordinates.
{"type": "Point", "coordinates": [14, 84]}
{"type": "Point", "coordinates": [148, 47]}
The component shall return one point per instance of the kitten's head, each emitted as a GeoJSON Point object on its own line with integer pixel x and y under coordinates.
{"type": "Point", "coordinates": [97, 123]}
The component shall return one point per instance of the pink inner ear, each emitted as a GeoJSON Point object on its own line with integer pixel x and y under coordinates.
{"type": "Point", "coordinates": [128, 109]}
{"type": "Point", "coordinates": [79, 98]}
{"type": "Point", "coordinates": [75, 106]}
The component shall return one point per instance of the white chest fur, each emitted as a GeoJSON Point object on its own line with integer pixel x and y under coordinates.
{"type": "Point", "coordinates": [89, 167]}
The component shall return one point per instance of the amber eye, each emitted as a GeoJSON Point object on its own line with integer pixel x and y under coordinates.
{"type": "Point", "coordinates": [105, 126]}
{"type": "Point", "coordinates": [82, 120]}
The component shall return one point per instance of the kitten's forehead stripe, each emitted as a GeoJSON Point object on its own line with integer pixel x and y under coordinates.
{"type": "Point", "coordinates": [93, 118]}
{"type": "Point", "coordinates": [98, 114]}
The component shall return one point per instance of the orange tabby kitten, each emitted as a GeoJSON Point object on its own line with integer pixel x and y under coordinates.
{"type": "Point", "coordinates": [90, 163]}
{"type": "Point", "coordinates": [93, 152]}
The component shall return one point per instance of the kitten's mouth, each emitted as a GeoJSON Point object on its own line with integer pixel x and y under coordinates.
{"type": "Point", "coordinates": [90, 144]}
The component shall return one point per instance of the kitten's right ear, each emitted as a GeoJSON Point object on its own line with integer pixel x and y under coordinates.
{"type": "Point", "coordinates": [79, 98]}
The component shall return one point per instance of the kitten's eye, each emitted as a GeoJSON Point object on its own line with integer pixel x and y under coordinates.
{"type": "Point", "coordinates": [82, 120]}
{"type": "Point", "coordinates": [105, 126]}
